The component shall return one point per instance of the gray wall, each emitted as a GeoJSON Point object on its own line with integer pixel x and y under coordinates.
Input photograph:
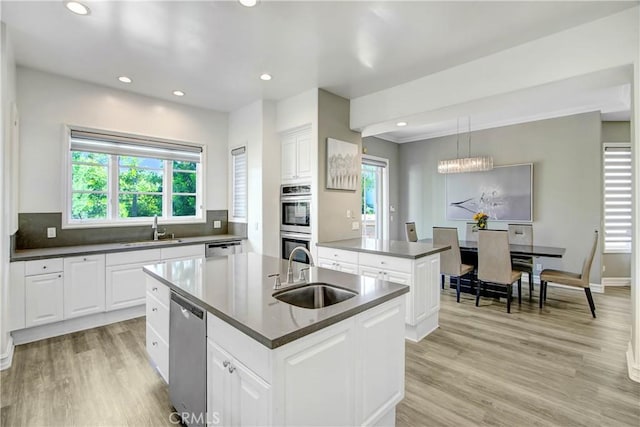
{"type": "Point", "coordinates": [616, 265]}
{"type": "Point", "coordinates": [333, 122]}
{"type": "Point", "coordinates": [388, 150]}
{"type": "Point", "coordinates": [567, 199]}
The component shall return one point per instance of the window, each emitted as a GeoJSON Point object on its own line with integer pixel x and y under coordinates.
{"type": "Point", "coordinates": [122, 179]}
{"type": "Point", "coordinates": [617, 197]}
{"type": "Point", "coordinates": [239, 183]}
{"type": "Point", "coordinates": [375, 196]}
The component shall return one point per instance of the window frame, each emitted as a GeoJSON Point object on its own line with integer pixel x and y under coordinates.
{"type": "Point", "coordinates": [113, 169]}
{"type": "Point", "coordinates": [605, 249]}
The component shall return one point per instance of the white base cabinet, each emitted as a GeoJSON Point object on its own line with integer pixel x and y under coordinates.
{"type": "Point", "coordinates": [44, 296]}
{"type": "Point", "coordinates": [83, 285]}
{"type": "Point", "coordinates": [421, 275]}
{"type": "Point", "coordinates": [350, 373]}
{"type": "Point", "coordinates": [158, 298]}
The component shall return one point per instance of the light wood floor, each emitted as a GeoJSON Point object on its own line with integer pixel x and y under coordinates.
{"type": "Point", "coordinates": [482, 367]}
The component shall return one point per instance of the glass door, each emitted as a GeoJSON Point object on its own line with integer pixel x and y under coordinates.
{"type": "Point", "coordinates": [374, 198]}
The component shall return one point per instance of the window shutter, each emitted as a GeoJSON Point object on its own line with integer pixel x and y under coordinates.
{"type": "Point", "coordinates": [239, 184]}
{"type": "Point", "coordinates": [617, 197]}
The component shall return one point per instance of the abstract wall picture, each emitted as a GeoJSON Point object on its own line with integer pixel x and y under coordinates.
{"type": "Point", "coordinates": [343, 165]}
{"type": "Point", "coordinates": [504, 193]}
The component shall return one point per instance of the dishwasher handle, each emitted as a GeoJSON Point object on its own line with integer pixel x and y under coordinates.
{"type": "Point", "coordinates": [186, 307]}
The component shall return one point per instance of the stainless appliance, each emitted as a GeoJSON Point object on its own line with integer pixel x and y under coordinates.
{"type": "Point", "coordinates": [188, 361]}
{"type": "Point", "coordinates": [289, 241]}
{"type": "Point", "coordinates": [223, 248]}
{"type": "Point", "coordinates": [295, 208]}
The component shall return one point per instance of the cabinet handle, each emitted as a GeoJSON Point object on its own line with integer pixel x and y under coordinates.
{"type": "Point", "coordinates": [59, 275]}
{"type": "Point", "coordinates": [154, 309]}
{"type": "Point", "coordinates": [231, 369]}
{"type": "Point", "coordinates": [381, 262]}
{"type": "Point", "coordinates": [154, 289]}
{"type": "Point", "coordinates": [226, 363]}
{"type": "Point", "coordinates": [155, 343]}
{"type": "Point", "coordinates": [44, 267]}
{"type": "Point", "coordinates": [84, 259]}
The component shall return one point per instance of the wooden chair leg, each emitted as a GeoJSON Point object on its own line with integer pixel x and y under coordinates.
{"type": "Point", "coordinates": [591, 303]}
{"type": "Point", "coordinates": [458, 289]}
{"type": "Point", "coordinates": [520, 291]}
{"type": "Point", "coordinates": [442, 280]}
{"type": "Point", "coordinates": [509, 297]}
{"type": "Point", "coordinates": [530, 274]}
{"type": "Point", "coordinates": [542, 285]}
{"type": "Point", "coordinates": [478, 293]}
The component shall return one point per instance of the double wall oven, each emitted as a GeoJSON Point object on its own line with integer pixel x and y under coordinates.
{"type": "Point", "coordinates": [295, 220]}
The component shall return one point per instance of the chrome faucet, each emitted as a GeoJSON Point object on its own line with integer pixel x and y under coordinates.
{"type": "Point", "coordinates": [154, 226]}
{"type": "Point", "coordinates": [290, 270]}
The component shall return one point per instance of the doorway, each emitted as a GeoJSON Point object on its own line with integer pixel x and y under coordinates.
{"type": "Point", "coordinates": [375, 197]}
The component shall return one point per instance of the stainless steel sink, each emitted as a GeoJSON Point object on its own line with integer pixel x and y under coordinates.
{"type": "Point", "coordinates": [152, 242]}
{"type": "Point", "coordinates": [314, 295]}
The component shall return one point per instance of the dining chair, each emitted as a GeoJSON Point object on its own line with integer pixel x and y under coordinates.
{"type": "Point", "coordinates": [450, 261]}
{"type": "Point", "coordinates": [522, 234]}
{"type": "Point", "coordinates": [412, 236]}
{"type": "Point", "coordinates": [494, 264]}
{"type": "Point", "coordinates": [571, 279]}
{"type": "Point", "coordinates": [472, 233]}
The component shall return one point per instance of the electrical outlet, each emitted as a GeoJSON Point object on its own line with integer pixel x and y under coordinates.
{"type": "Point", "coordinates": [355, 225]}
{"type": "Point", "coordinates": [217, 224]}
{"type": "Point", "coordinates": [539, 267]}
{"type": "Point", "coordinates": [604, 268]}
{"type": "Point", "coordinates": [348, 213]}
{"type": "Point", "coordinates": [51, 232]}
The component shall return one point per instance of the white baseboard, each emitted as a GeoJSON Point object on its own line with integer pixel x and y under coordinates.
{"type": "Point", "coordinates": [7, 357]}
{"type": "Point", "coordinates": [23, 336]}
{"type": "Point", "coordinates": [632, 365]}
{"type": "Point", "coordinates": [616, 281]}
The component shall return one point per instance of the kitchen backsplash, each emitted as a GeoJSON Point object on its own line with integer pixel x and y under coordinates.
{"type": "Point", "coordinates": [32, 231]}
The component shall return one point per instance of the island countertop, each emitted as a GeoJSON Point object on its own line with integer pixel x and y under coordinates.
{"type": "Point", "coordinates": [236, 289]}
{"type": "Point", "coordinates": [394, 248]}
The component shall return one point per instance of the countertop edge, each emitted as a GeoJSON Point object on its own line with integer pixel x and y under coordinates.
{"type": "Point", "coordinates": [287, 338]}
{"type": "Point", "coordinates": [105, 248]}
{"type": "Point", "coordinates": [334, 245]}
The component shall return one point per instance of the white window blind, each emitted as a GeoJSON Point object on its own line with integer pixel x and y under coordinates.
{"type": "Point", "coordinates": [239, 183]}
{"type": "Point", "coordinates": [617, 197]}
{"type": "Point", "coordinates": [96, 142]}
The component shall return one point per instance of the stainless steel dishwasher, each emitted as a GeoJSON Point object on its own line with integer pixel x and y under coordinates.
{"type": "Point", "coordinates": [223, 248]}
{"type": "Point", "coordinates": [188, 361]}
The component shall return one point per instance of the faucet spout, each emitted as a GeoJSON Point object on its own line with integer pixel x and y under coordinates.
{"type": "Point", "coordinates": [154, 227]}
{"type": "Point", "coordinates": [290, 269]}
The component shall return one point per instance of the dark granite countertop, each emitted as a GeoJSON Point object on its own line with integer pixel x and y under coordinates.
{"type": "Point", "coordinates": [394, 248]}
{"type": "Point", "coordinates": [236, 289]}
{"type": "Point", "coordinates": [61, 251]}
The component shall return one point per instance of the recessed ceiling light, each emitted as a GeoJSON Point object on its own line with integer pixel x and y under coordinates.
{"type": "Point", "coordinates": [265, 77]}
{"type": "Point", "coordinates": [401, 124]}
{"type": "Point", "coordinates": [248, 3]}
{"type": "Point", "coordinates": [125, 79]}
{"type": "Point", "coordinates": [77, 7]}
{"type": "Point", "coordinates": [178, 93]}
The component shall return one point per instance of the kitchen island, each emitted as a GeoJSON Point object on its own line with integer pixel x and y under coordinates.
{"type": "Point", "coordinates": [273, 363]}
{"type": "Point", "coordinates": [416, 265]}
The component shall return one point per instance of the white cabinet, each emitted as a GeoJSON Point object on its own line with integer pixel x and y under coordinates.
{"type": "Point", "coordinates": [16, 297]}
{"type": "Point", "coordinates": [296, 156]}
{"type": "Point", "coordinates": [345, 267]}
{"type": "Point", "coordinates": [235, 395]}
{"type": "Point", "coordinates": [125, 280]}
{"type": "Point", "coordinates": [84, 291]}
{"type": "Point", "coordinates": [182, 252]}
{"type": "Point", "coordinates": [158, 298]}
{"type": "Point", "coordinates": [44, 299]}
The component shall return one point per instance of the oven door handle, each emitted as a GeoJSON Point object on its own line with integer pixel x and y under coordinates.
{"type": "Point", "coordinates": [285, 199]}
{"type": "Point", "coordinates": [296, 236]}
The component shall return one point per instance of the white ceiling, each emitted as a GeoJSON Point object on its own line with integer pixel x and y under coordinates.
{"type": "Point", "coordinates": [215, 50]}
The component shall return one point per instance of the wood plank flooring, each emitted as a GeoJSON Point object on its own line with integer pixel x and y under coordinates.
{"type": "Point", "coordinates": [482, 366]}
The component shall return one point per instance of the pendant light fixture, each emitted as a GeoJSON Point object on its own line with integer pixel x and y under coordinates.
{"type": "Point", "coordinates": [465, 164]}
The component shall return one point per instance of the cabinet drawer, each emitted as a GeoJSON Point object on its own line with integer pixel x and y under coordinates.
{"type": "Point", "coordinates": [182, 251]}
{"type": "Point", "coordinates": [386, 262]}
{"type": "Point", "coordinates": [158, 351]}
{"type": "Point", "coordinates": [338, 255]}
{"type": "Point", "coordinates": [147, 256]}
{"type": "Point", "coordinates": [158, 317]}
{"type": "Point", "coordinates": [158, 290]}
{"type": "Point", "coordinates": [43, 266]}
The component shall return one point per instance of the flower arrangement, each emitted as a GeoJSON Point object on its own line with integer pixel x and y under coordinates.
{"type": "Point", "coordinates": [481, 221]}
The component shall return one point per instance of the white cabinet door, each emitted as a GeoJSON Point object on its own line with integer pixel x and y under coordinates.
{"type": "Point", "coordinates": [125, 286]}
{"type": "Point", "coordinates": [346, 267]}
{"type": "Point", "coordinates": [16, 307]}
{"type": "Point", "coordinates": [376, 273]}
{"type": "Point", "coordinates": [326, 263]}
{"type": "Point", "coordinates": [44, 299]}
{"type": "Point", "coordinates": [289, 158]}
{"type": "Point", "coordinates": [84, 290]}
{"type": "Point", "coordinates": [397, 277]}
{"type": "Point", "coordinates": [303, 169]}
{"type": "Point", "coordinates": [251, 397]}
{"type": "Point", "coordinates": [218, 385]}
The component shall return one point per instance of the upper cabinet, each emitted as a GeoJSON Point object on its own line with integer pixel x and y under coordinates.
{"type": "Point", "coordinates": [296, 156]}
